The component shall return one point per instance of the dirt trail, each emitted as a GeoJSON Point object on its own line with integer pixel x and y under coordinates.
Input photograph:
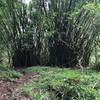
{"type": "Point", "coordinates": [9, 89]}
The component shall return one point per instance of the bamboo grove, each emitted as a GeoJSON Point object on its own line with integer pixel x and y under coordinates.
{"type": "Point", "coordinates": [48, 32]}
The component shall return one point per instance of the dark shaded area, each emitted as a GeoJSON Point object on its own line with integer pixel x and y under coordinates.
{"type": "Point", "coordinates": [24, 58]}
{"type": "Point", "coordinates": [60, 54]}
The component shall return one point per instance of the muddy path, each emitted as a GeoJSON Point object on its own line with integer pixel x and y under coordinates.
{"type": "Point", "coordinates": [9, 89]}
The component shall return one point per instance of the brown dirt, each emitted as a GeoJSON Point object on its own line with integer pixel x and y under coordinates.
{"type": "Point", "coordinates": [9, 89]}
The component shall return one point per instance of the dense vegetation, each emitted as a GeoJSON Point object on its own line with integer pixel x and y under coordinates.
{"type": "Point", "coordinates": [48, 32]}
{"type": "Point", "coordinates": [62, 35]}
{"type": "Point", "coordinates": [55, 84]}
{"type": "Point", "coordinates": [62, 84]}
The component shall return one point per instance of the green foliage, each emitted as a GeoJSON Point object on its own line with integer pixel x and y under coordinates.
{"type": "Point", "coordinates": [62, 84]}
{"type": "Point", "coordinates": [8, 73]}
{"type": "Point", "coordinates": [29, 27]}
{"type": "Point", "coordinates": [37, 69]}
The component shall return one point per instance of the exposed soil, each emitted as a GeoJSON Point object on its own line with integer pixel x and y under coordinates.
{"type": "Point", "coordinates": [9, 89]}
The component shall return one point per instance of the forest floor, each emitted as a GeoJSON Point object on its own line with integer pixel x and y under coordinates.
{"type": "Point", "coordinates": [9, 89]}
{"type": "Point", "coordinates": [45, 83]}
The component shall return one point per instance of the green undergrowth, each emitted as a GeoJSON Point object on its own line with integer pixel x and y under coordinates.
{"type": "Point", "coordinates": [62, 84]}
{"type": "Point", "coordinates": [8, 73]}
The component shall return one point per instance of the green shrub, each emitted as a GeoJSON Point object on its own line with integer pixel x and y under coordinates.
{"type": "Point", "coordinates": [7, 73]}
{"type": "Point", "coordinates": [76, 92]}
